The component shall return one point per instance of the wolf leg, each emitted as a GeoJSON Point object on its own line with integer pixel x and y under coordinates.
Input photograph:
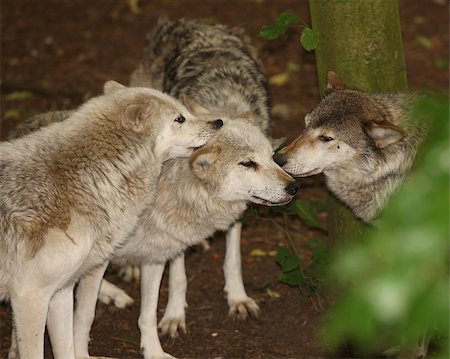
{"type": "Point", "coordinates": [30, 307]}
{"type": "Point", "coordinates": [13, 349]}
{"type": "Point", "coordinates": [129, 272]}
{"type": "Point", "coordinates": [241, 305]}
{"type": "Point", "coordinates": [174, 316]}
{"type": "Point", "coordinates": [87, 294]}
{"type": "Point", "coordinates": [60, 323]}
{"type": "Point", "coordinates": [151, 275]}
{"type": "Point", "coordinates": [109, 293]}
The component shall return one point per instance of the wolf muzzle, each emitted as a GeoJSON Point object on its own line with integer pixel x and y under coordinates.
{"type": "Point", "coordinates": [217, 124]}
{"type": "Point", "coordinates": [292, 188]}
{"type": "Point", "coordinates": [280, 159]}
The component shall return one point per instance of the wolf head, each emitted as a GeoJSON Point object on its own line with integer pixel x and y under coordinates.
{"type": "Point", "coordinates": [346, 126]}
{"type": "Point", "coordinates": [237, 165]}
{"type": "Point", "coordinates": [176, 132]}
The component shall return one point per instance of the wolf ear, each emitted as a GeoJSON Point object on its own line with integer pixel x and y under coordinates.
{"type": "Point", "coordinates": [307, 119]}
{"type": "Point", "coordinates": [384, 133]}
{"type": "Point", "coordinates": [111, 87]}
{"type": "Point", "coordinates": [194, 106]}
{"type": "Point", "coordinates": [334, 82]}
{"type": "Point", "coordinates": [202, 160]}
{"type": "Point", "coordinates": [135, 116]}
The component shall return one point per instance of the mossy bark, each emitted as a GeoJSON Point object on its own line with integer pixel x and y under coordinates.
{"type": "Point", "coordinates": [361, 41]}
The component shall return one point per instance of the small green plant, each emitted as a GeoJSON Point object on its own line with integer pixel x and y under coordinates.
{"type": "Point", "coordinates": [293, 272]}
{"type": "Point", "coordinates": [308, 38]}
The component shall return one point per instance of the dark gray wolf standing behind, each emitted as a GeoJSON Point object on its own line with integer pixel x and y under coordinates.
{"type": "Point", "coordinates": [214, 70]}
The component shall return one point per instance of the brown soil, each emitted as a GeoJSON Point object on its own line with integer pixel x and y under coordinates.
{"type": "Point", "coordinates": [63, 51]}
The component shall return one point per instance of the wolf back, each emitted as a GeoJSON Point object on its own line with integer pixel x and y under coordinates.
{"type": "Point", "coordinates": [194, 59]}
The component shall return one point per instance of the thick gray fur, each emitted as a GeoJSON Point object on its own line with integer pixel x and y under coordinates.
{"type": "Point", "coordinates": [213, 64]}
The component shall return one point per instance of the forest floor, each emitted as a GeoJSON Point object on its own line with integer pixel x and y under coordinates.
{"type": "Point", "coordinates": [56, 54]}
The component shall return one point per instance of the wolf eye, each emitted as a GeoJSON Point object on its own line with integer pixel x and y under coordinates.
{"type": "Point", "coordinates": [325, 138]}
{"type": "Point", "coordinates": [180, 119]}
{"type": "Point", "coordinates": [250, 164]}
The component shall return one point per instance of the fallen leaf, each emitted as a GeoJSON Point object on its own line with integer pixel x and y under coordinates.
{"type": "Point", "coordinates": [272, 294]}
{"type": "Point", "coordinates": [12, 114]}
{"type": "Point", "coordinates": [424, 42]}
{"type": "Point", "coordinates": [19, 95]}
{"type": "Point", "coordinates": [258, 253]}
{"type": "Point", "coordinates": [279, 79]}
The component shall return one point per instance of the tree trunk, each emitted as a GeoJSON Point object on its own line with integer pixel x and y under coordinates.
{"type": "Point", "coordinates": [361, 41]}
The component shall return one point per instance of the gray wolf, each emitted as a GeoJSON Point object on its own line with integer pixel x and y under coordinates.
{"type": "Point", "coordinates": [214, 70]}
{"type": "Point", "coordinates": [72, 192]}
{"type": "Point", "coordinates": [365, 145]}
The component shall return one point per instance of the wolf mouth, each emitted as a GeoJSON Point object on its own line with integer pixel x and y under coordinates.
{"type": "Point", "coordinates": [309, 173]}
{"type": "Point", "coordinates": [265, 201]}
{"type": "Point", "coordinates": [195, 148]}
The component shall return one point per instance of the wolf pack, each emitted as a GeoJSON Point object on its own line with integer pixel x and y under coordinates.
{"type": "Point", "coordinates": [139, 174]}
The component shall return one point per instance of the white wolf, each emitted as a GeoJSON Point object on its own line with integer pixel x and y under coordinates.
{"type": "Point", "coordinates": [233, 168]}
{"type": "Point", "coordinates": [72, 192]}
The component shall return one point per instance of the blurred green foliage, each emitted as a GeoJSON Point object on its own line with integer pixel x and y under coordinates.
{"type": "Point", "coordinates": [394, 283]}
{"type": "Point", "coordinates": [308, 38]}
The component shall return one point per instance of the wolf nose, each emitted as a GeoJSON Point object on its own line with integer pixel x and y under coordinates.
{"type": "Point", "coordinates": [279, 159]}
{"type": "Point", "coordinates": [292, 188]}
{"type": "Point", "coordinates": [217, 124]}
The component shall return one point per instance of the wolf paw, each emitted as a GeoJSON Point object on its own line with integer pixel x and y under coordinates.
{"type": "Point", "coordinates": [172, 325]}
{"type": "Point", "coordinates": [242, 309]}
{"type": "Point", "coordinates": [130, 272]}
{"type": "Point", "coordinates": [109, 293]}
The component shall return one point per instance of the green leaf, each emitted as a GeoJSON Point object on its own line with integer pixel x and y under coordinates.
{"type": "Point", "coordinates": [315, 244]}
{"type": "Point", "coordinates": [287, 259]}
{"type": "Point", "coordinates": [272, 32]}
{"type": "Point", "coordinates": [309, 39]}
{"type": "Point", "coordinates": [305, 211]}
{"type": "Point", "coordinates": [293, 277]}
{"type": "Point", "coordinates": [19, 95]}
{"type": "Point", "coordinates": [287, 19]}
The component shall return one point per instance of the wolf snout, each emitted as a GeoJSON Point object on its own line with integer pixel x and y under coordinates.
{"type": "Point", "coordinates": [292, 188]}
{"type": "Point", "coordinates": [280, 159]}
{"type": "Point", "coordinates": [217, 124]}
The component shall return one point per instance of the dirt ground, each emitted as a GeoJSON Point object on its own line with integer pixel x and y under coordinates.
{"type": "Point", "coordinates": [63, 51]}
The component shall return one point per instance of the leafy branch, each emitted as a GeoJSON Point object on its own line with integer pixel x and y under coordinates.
{"type": "Point", "coordinates": [308, 38]}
